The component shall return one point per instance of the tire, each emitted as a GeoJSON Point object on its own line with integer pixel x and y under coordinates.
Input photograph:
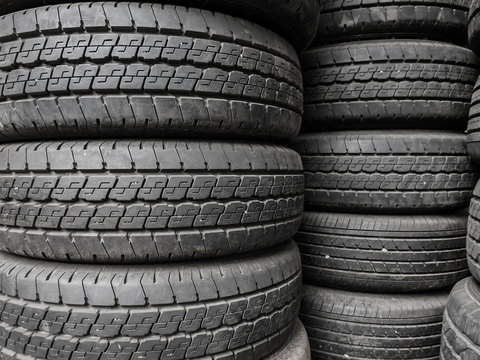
{"type": "Point", "coordinates": [246, 304]}
{"type": "Point", "coordinates": [146, 201]}
{"type": "Point", "coordinates": [474, 26]}
{"type": "Point", "coordinates": [473, 130]}
{"type": "Point", "coordinates": [444, 20]}
{"type": "Point", "coordinates": [356, 325]}
{"type": "Point", "coordinates": [388, 84]}
{"type": "Point", "coordinates": [131, 69]}
{"type": "Point", "coordinates": [383, 253]}
{"type": "Point", "coordinates": [473, 234]}
{"type": "Point", "coordinates": [298, 348]}
{"type": "Point", "coordinates": [461, 322]}
{"type": "Point", "coordinates": [386, 171]}
{"type": "Point", "coordinates": [296, 20]}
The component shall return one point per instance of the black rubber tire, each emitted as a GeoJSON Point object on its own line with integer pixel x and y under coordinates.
{"type": "Point", "coordinates": [346, 20]}
{"type": "Point", "coordinates": [473, 130]}
{"type": "Point", "coordinates": [131, 69]}
{"type": "Point", "coordinates": [461, 323]}
{"type": "Point", "coordinates": [386, 171]}
{"type": "Point", "coordinates": [189, 310]}
{"type": "Point", "coordinates": [146, 201]}
{"type": "Point", "coordinates": [358, 326]}
{"type": "Point", "coordinates": [474, 26]}
{"type": "Point", "coordinates": [388, 84]}
{"type": "Point", "coordinates": [295, 20]}
{"type": "Point", "coordinates": [383, 253]}
{"type": "Point", "coordinates": [473, 234]}
{"type": "Point", "coordinates": [298, 348]}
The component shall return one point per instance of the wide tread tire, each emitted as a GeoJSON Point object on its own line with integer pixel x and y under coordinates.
{"type": "Point", "coordinates": [140, 69]}
{"type": "Point", "coordinates": [295, 20]}
{"type": "Point", "coordinates": [360, 326]}
{"type": "Point", "coordinates": [347, 20]}
{"type": "Point", "coordinates": [383, 253]}
{"type": "Point", "coordinates": [146, 201]}
{"type": "Point", "coordinates": [461, 323]}
{"type": "Point", "coordinates": [388, 84]}
{"type": "Point", "coordinates": [241, 307]}
{"type": "Point", "coordinates": [386, 171]}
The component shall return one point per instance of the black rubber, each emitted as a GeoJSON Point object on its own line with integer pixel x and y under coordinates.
{"type": "Point", "coordinates": [353, 325]}
{"type": "Point", "coordinates": [386, 171]}
{"type": "Point", "coordinates": [474, 26]}
{"type": "Point", "coordinates": [296, 20]}
{"type": "Point", "coordinates": [473, 234]}
{"type": "Point", "coordinates": [461, 323]}
{"type": "Point", "coordinates": [146, 201]}
{"type": "Point", "coordinates": [298, 348]}
{"type": "Point", "coordinates": [131, 69]}
{"type": "Point", "coordinates": [473, 130]}
{"type": "Point", "coordinates": [388, 84]}
{"type": "Point", "coordinates": [347, 20]}
{"type": "Point", "coordinates": [247, 304]}
{"type": "Point", "coordinates": [383, 253]}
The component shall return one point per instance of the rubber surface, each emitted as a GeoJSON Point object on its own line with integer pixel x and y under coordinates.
{"type": "Point", "coordinates": [474, 26]}
{"type": "Point", "coordinates": [347, 20]}
{"type": "Point", "coordinates": [298, 348]}
{"type": "Point", "coordinates": [461, 323]}
{"type": "Point", "coordinates": [386, 171]}
{"type": "Point", "coordinates": [361, 326]}
{"type": "Point", "coordinates": [473, 129]}
{"type": "Point", "coordinates": [383, 253]}
{"type": "Point", "coordinates": [146, 201]}
{"type": "Point", "coordinates": [473, 237]}
{"type": "Point", "coordinates": [247, 304]}
{"type": "Point", "coordinates": [131, 69]}
{"type": "Point", "coordinates": [296, 20]}
{"type": "Point", "coordinates": [388, 84]}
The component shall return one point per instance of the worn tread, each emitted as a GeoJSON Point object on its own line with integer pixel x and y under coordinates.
{"type": "Point", "coordinates": [372, 326]}
{"type": "Point", "coordinates": [347, 20]}
{"type": "Point", "coordinates": [459, 334]}
{"type": "Point", "coordinates": [383, 253]}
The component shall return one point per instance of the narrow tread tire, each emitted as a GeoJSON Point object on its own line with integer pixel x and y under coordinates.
{"type": "Point", "coordinates": [383, 253]}
{"type": "Point", "coordinates": [361, 326]}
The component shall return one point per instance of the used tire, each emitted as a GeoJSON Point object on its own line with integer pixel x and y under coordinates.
{"type": "Point", "coordinates": [474, 26]}
{"type": "Point", "coordinates": [383, 253]}
{"type": "Point", "coordinates": [473, 234]}
{"type": "Point", "coordinates": [139, 69]}
{"type": "Point", "coordinates": [356, 325]}
{"type": "Point", "coordinates": [386, 171]}
{"type": "Point", "coordinates": [146, 201]}
{"type": "Point", "coordinates": [473, 130]}
{"type": "Point", "coordinates": [296, 20]}
{"type": "Point", "coordinates": [244, 304]}
{"type": "Point", "coordinates": [298, 348]}
{"type": "Point", "coordinates": [461, 322]}
{"type": "Point", "coordinates": [388, 84]}
{"type": "Point", "coordinates": [347, 20]}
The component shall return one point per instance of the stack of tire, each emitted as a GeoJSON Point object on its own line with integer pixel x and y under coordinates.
{"type": "Point", "coordinates": [387, 90]}
{"type": "Point", "coordinates": [140, 216]}
{"type": "Point", "coordinates": [460, 340]}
